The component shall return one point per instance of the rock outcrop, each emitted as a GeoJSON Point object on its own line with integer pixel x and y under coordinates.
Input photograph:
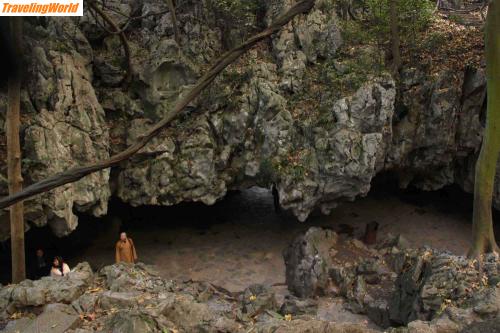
{"type": "Point", "coordinates": [307, 261]}
{"type": "Point", "coordinates": [402, 290]}
{"type": "Point", "coordinates": [425, 290]}
{"type": "Point", "coordinates": [63, 125]}
{"type": "Point", "coordinates": [133, 298]}
{"type": "Point", "coordinates": [268, 119]}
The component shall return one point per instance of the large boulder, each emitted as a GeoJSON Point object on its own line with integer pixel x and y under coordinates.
{"type": "Point", "coordinates": [125, 277]}
{"type": "Point", "coordinates": [424, 290]}
{"type": "Point", "coordinates": [307, 261]}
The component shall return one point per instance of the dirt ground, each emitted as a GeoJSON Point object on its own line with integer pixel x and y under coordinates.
{"type": "Point", "coordinates": [240, 240]}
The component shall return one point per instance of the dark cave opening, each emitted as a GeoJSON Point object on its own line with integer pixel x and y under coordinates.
{"type": "Point", "coordinates": [182, 228]}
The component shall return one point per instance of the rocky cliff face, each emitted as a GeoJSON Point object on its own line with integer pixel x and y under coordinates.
{"type": "Point", "coordinates": [63, 125]}
{"type": "Point", "coordinates": [270, 118]}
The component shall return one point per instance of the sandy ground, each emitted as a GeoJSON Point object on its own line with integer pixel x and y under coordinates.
{"type": "Point", "coordinates": [239, 241]}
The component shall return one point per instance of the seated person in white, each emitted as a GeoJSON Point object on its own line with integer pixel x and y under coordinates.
{"type": "Point", "coordinates": [59, 267]}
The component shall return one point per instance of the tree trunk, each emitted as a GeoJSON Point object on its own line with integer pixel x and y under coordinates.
{"type": "Point", "coordinates": [482, 230]}
{"type": "Point", "coordinates": [395, 40]}
{"type": "Point", "coordinates": [14, 156]}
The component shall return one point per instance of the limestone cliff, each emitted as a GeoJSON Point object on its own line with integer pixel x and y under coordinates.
{"type": "Point", "coordinates": [270, 118]}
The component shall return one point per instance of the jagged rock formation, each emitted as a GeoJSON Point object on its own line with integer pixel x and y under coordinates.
{"type": "Point", "coordinates": [126, 298]}
{"type": "Point", "coordinates": [63, 125]}
{"type": "Point", "coordinates": [307, 261]}
{"type": "Point", "coordinates": [414, 290]}
{"type": "Point", "coordinates": [268, 119]}
{"type": "Point", "coordinates": [395, 286]}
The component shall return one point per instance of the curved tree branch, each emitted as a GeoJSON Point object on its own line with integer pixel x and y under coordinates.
{"type": "Point", "coordinates": [75, 174]}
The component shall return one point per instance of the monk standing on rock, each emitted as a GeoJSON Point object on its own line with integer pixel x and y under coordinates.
{"type": "Point", "coordinates": [125, 250]}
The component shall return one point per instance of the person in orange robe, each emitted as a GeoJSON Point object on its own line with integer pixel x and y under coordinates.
{"type": "Point", "coordinates": [125, 249]}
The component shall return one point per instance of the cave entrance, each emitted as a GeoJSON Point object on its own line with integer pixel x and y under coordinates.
{"type": "Point", "coordinates": [239, 240]}
{"type": "Point", "coordinates": [188, 240]}
{"type": "Point", "coordinates": [233, 243]}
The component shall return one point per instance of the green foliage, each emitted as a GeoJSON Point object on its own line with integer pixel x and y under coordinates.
{"type": "Point", "coordinates": [413, 17]}
{"type": "Point", "coordinates": [355, 33]}
{"type": "Point", "coordinates": [327, 6]}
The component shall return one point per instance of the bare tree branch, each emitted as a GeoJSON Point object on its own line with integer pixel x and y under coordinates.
{"type": "Point", "coordinates": [123, 39]}
{"type": "Point", "coordinates": [219, 65]}
{"type": "Point", "coordinates": [130, 19]}
{"type": "Point", "coordinates": [177, 34]}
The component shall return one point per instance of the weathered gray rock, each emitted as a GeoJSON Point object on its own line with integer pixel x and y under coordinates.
{"type": "Point", "coordinates": [313, 326]}
{"type": "Point", "coordinates": [55, 318]}
{"type": "Point", "coordinates": [490, 326]}
{"type": "Point", "coordinates": [298, 306]}
{"type": "Point", "coordinates": [122, 300]}
{"type": "Point", "coordinates": [86, 303]}
{"type": "Point", "coordinates": [424, 289]}
{"type": "Point", "coordinates": [5, 297]}
{"type": "Point", "coordinates": [303, 41]}
{"type": "Point", "coordinates": [64, 125]}
{"type": "Point", "coordinates": [256, 299]}
{"type": "Point", "coordinates": [130, 322]}
{"type": "Point", "coordinates": [487, 302]}
{"type": "Point", "coordinates": [307, 261]}
{"type": "Point", "coordinates": [444, 114]}
{"type": "Point", "coordinates": [260, 122]}
{"type": "Point", "coordinates": [125, 277]}
{"type": "Point", "coordinates": [342, 159]}
{"type": "Point", "coordinates": [150, 304]}
{"type": "Point", "coordinates": [48, 289]}
{"type": "Point", "coordinates": [17, 326]}
{"type": "Point", "coordinates": [437, 280]}
{"type": "Point", "coordinates": [184, 311]}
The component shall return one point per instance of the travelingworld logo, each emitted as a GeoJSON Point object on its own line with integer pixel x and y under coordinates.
{"type": "Point", "coordinates": [41, 8]}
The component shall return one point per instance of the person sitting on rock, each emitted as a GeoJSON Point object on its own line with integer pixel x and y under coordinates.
{"type": "Point", "coordinates": [59, 267]}
{"type": "Point", "coordinates": [125, 250]}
